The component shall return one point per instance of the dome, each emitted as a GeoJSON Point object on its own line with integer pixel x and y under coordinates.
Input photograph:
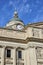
{"type": "Point", "coordinates": [15, 20]}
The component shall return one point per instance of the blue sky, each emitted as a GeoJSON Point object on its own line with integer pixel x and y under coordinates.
{"type": "Point", "coordinates": [29, 11]}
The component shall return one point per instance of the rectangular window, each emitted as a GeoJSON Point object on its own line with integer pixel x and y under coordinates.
{"type": "Point", "coordinates": [19, 54]}
{"type": "Point", "coordinates": [8, 53]}
{"type": "Point", "coordinates": [35, 32]}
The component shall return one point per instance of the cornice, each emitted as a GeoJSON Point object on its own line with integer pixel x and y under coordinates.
{"type": "Point", "coordinates": [31, 39]}
{"type": "Point", "coordinates": [12, 29]}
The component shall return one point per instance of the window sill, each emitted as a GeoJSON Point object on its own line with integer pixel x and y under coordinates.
{"type": "Point", "coordinates": [8, 58]}
{"type": "Point", "coordinates": [20, 59]}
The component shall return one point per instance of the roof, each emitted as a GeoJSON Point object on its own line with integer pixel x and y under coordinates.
{"type": "Point", "coordinates": [15, 20]}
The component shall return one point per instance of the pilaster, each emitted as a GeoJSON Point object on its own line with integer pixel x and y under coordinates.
{"type": "Point", "coordinates": [14, 56]}
{"type": "Point", "coordinates": [2, 56]}
{"type": "Point", "coordinates": [32, 56]}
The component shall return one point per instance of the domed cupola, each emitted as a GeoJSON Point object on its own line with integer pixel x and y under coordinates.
{"type": "Point", "coordinates": [15, 23]}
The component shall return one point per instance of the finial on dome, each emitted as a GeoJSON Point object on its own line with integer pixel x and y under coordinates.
{"type": "Point", "coordinates": [16, 14]}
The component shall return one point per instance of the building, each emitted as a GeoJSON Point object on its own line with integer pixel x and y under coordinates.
{"type": "Point", "coordinates": [20, 44]}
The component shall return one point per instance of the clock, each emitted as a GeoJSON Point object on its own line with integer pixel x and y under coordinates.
{"type": "Point", "coordinates": [20, 27]}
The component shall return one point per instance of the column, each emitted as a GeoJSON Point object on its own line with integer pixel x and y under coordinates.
{"type": "Point", "coordinates": [32, 56]}
{"type": "Point", "coordinates": [14, 56]}
{"type": "Point", "coordinates": [2, 56]}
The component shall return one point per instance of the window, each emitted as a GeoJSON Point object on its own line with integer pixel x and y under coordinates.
{"type": "Point", "coordinates": [20, 54]}
{"type": "Point", "coordinates": [42, 33]}
{"type": "Point", "coordinates": [35, 32]}
{"type": "Point", "coordinates": [8, 54]}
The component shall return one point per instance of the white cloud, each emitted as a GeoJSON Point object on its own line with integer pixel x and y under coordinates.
{"type": "Point", "coordinates": [24, 8]}
{"type": "Point", "coordinates": [21, 9]}
{"type": "Point", "coordinates": [30, 10]}
{"type": "Point", "coordinates": [17, 1]}
{"type": "Point", "coordinates": [24, 1]}
{"type": "Point", "coordinates": [11, 2]}
{"type": "Point", "coordinates": [37, 1]}
{"type": "Point", "coordinates": [36, 18]}
{"type": "Point", "coordinates": [27, 8]}
{"type": "Point", "coordinates": [39, 17]}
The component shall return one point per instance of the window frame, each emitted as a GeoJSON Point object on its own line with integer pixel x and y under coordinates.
{"type": "Point", "coordinates": [17, 50]}
{"type": "Point", "coordinates": [7, 52]}
{"type": "Point", "coordinates": [19, 54]}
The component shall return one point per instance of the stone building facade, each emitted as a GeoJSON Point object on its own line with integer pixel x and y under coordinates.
{"type": "Point", "coordinates": [20, 44]}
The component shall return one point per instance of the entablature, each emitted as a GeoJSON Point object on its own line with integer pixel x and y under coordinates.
{"type": "Point", "coordinates": [24, 36]}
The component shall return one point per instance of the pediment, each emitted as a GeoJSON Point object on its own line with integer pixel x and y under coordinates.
{"type": "Point", "coordinates": [38, 24]}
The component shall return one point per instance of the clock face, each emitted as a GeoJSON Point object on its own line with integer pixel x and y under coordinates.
{"type": "Point", "coordinates": [19, 27]}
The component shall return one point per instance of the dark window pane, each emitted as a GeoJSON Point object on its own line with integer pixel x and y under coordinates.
{"type": "Point", "coordinates": [19, 54]}
{"type": "Point", "coordinates": [8, 53]}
